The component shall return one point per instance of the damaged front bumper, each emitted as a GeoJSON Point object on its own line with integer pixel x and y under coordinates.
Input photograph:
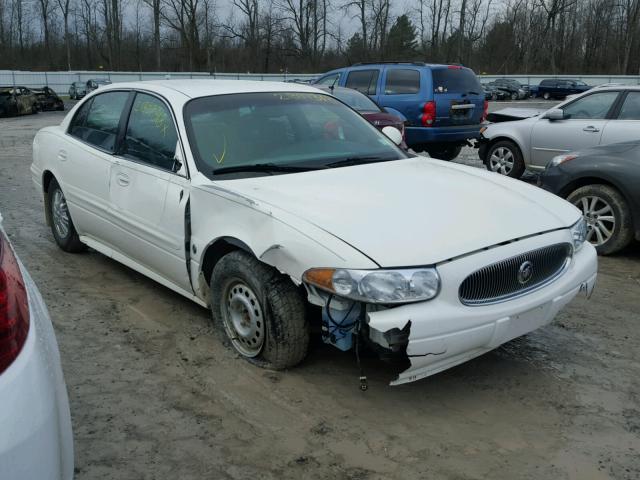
{"type": "Point", "coordinates": [443, 332]}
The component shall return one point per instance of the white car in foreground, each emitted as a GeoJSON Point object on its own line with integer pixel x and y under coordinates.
{"type": "Point", "coordinates": [35, 438]}
{"type": "Point", "coordinates": [256, 198]}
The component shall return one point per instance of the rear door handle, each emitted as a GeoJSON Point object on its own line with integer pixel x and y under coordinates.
{"type": "Point", "coordinates": [591, 129]}
{"type": "Point", "coordinates": [122, 179]}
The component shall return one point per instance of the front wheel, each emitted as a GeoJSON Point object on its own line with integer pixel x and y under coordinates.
{"type": "Point", "coordinates": [504, 157]}
{"type": "Point", "coordinates": [262, 312]}
{"type": "Point", "coordinates": [609, 222]}
{"type": "Point", "coordinates": [64, 232]}
{"type": "Point", "coordinates": [546, 95]}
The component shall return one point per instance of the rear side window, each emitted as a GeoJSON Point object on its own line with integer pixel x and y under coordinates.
{"type": "Point", "coordinates": [631, 107]}
{"type": "Point", "coordinates": [591, 107]}
{"type": "Point", "coordinates": [151, 135]}
{"type": "Point", "coordinates": [546, 83]}
{"type": "Point", "coordinates": [458, 80]}
{"type": "Point", "coordinates": [100, 126]}
{"type": "Point", "coordinates": [365, 81]}
{"type": "Point", "coordinates": [401, 81]}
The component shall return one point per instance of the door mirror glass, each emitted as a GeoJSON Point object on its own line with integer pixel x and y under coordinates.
{"type": "Point", "coordinates": [394, 134]}
{"type": "Point", "coordinates": [556, 114]}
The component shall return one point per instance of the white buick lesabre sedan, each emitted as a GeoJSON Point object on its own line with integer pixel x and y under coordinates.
{"type": "Point", "coordinates": [276, 205]}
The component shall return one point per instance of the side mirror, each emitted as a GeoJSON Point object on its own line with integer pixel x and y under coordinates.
{"type": "Point", "coordinates": [393, 134]}
{"type": "Point", "coordinates": [178, 162]}
{"type": "Point", "coordinates": [556, 114]}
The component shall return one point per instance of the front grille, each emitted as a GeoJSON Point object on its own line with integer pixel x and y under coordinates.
{"type": "Point", "coordinates": [515, 276]}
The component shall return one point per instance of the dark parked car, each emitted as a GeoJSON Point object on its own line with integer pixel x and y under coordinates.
{"type": "Point", "coordinates": [444, 104]}
{"type": "Point", "coordinates": [492, 92]}
{"type": "Point", "coordinates": [77, 90]}
{"type": "Point", "coordinates": [48, 99]}
{"type": "Point", "coordinates": [516, 90]}
{"type": "Point", "coordinates": [559, 88]}
{"type": "Point", "coordinates": [367, 108]}
{"type": "Point", "coordinates": [604, 183]}
{"type": "Point", "coordinates": [17, 101]}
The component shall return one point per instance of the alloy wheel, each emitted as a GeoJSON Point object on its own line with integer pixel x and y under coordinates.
{"type": "Point", "coordinates": [601, 221]}
{"type": "Point", "coordinates": [501, 161]}
{"type": "Point", "coordinates": [60, 214]}
{"type": "Point", "coordinates": [243, 318]}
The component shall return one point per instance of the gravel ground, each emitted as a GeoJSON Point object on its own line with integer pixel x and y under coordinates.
{"type": "Point", "coordinates": [155, 394]}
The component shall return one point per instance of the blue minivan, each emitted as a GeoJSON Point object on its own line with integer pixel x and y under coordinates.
{"type": "Point", "coordinates": [442, 105]}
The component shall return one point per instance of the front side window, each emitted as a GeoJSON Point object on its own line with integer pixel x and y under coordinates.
{"type": "Point", "coordinates": [329, 80]}
{"type": "Point", "coordinates": [401, 81]}
{"type": "Point", "coordinates": [101, 124]}
{"type": "Point", "coordinates": [284, 129]}
{"type": "Point", "coordinates": [364, 81]}
{"type": "Point", "coordinates": [592, 107]}
{"type": "Point", "coordinates": [631, 107]}
{"type": "Point", "coordinates": [151, 135]}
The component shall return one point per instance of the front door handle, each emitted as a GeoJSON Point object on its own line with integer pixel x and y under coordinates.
{"type": "Point", "coordinates": [122, 179]}
{"type": "Point", "coordinates": [62, 155]}
{"type": "Point", "coordinates": [591, 129]}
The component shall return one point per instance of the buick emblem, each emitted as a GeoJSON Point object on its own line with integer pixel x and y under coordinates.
{"type": "Point", "coordinates": [525, 272]}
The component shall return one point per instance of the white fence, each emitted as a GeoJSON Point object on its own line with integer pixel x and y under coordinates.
{"type": "Point", "coordinates": [60, 81]}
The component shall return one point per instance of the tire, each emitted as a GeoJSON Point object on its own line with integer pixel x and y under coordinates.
{"type": "Point", "coordinates": [504, 157]}
{"type": "Point", "coordinates": [546, 95]}
{"type": "Point", "coordinates": [444, 153]}
{"type": "Point", "coordinates": [276, 334]}
{"type": "Point", "coordinates": [605, 210]}
{"type": "Point", "coordinates": [514, 96]}
{"type": "Point", "coordinates": [66, 238]}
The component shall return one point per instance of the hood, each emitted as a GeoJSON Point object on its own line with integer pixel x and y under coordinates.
{"type": "Point", "coordinates": [509, 114]}
{"type": "Point", "coordinates": [411, 212]}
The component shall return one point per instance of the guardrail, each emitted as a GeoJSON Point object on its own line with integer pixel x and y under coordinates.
{"type": "Point", "coordinates": [60, 81]}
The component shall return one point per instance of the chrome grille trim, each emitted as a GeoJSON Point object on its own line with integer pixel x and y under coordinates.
{"type": "Point", "coordinates": [498, 282]}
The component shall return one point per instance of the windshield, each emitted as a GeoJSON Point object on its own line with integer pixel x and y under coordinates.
{"type": "Point", "coordinates": [455, 80]}
{"type": "Point", "coordinates": [291, 129]}
{"type": "Point", "coordinates": [356, 100]}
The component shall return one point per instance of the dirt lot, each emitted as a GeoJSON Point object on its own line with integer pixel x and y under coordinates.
{"type": "Point", "coordinates": [156, 395]}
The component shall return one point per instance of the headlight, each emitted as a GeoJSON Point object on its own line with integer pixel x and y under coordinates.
{"type": "Point", "coordinates": [579, 234]}
{"type": "Point", "coordinates": [557, 160]}
{"type": "Point", "coordinates": [377, 286]}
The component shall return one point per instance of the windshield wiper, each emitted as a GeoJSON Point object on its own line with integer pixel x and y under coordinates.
{"type": "Point", "coordinates": [262, 167]}
{"type": "Point", "coordinates": [357, 161]}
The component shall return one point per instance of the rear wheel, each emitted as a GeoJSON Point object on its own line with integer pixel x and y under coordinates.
{"type": "Point", "coordinates": [504, 157]}
{"type": "Point", "coordinates": [546, 95]}
{"type": "Point", "coordinates": [609, 222]}
{"type": "Point", "coordinates": [444, 153]}
{"type": "Point", "coordinates": [64, 232]}
{"type": "Point", "coordinates": [514, 96]}
{"type": "Point", "coordinates": [262, 312]}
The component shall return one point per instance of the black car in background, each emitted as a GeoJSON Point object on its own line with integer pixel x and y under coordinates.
{"type": "Point", "coordinates": [492, 92]}
{"type": "Point", "coordinates": [603, 182]}
{"type": "Point", "coordinates": [517, 90]}
{"type": "Point", "coordinates": [48, 99]}
{"type": "Point", "coordinates": [559, 88]}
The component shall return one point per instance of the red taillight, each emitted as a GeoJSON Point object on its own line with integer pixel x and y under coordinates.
{"type": "Point", "coordinates": [455, 67]}
{"type": "Point", "coordinates": [428, 116]}
{"type": "Point", "coordinates": [485, 111]}
{"type": "Point", "coordinates": [14, 306]}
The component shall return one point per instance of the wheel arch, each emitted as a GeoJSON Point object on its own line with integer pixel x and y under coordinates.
{"type": "Point", "coordinates": [47, 176]}
{"type": "Point", "coordinates": [217, 249]}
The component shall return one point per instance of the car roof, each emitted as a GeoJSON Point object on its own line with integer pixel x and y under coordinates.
{"type": "Point", "coordinates": [207, 87]}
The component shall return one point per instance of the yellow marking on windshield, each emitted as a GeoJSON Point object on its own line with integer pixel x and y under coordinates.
{"type": "Point", "coordinates": [220, 159]}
